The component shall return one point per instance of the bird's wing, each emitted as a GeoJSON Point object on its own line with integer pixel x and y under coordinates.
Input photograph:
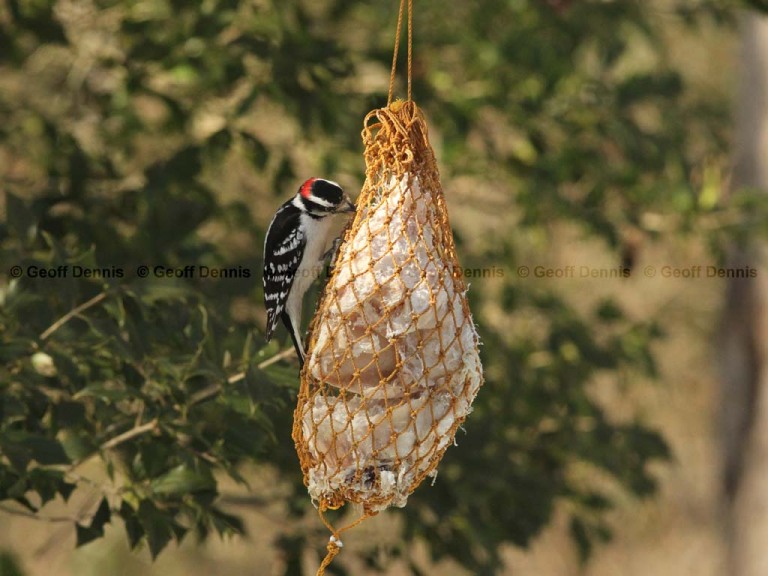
{"type": "Point", "coordinates": [285, 245]}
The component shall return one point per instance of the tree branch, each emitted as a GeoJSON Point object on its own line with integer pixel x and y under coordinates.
{"type": "Point", "coordinates": [128, 435]}
{"type": "Point", "coordinates": [71, 314]}
{"type": "Point", "coordinates": [114, 442]}
{"type": "Point", "coordinates": [276, 358]}
{"type": "Point", "coordinates": [206, 393]}
{"type": "Point", "coordinates": [263, 364]}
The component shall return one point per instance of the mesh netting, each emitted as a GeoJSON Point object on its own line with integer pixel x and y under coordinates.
{"type": "Point", "coordinates": [392, 364]}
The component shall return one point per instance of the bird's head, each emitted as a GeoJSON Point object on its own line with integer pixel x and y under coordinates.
{"type": "Point", "coordinates": [322, 197]}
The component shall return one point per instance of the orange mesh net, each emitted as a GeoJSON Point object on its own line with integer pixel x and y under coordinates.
{"type": "Point", "coordinates": [392, 365]}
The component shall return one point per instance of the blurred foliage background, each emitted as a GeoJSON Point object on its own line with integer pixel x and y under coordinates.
{"type": "Point", "coordinates": [164, 133]}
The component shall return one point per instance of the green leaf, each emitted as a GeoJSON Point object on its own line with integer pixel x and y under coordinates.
{"type": "Point", "coordinates": [66, 489]}
{"type": "Point", "coordinates": [152, 459]}
{"type": "Point", "coordinates": [609, 311]}
{"type": "Point", "coordinates": [759, 5]}
{"type": "Point", "coordinates": [152, 291]}
{"type": "Point", "coordinates": [284, 375]}
{"type": "Point", "coordinates": [86, 534]}
{"type": "Point", "coordinates": [17, 455]}
{"type": "Point", "coordinates": [46, 451]}
{"type": "Point", "coordinates": [183, 480]}
{"type": "Point", "coordinates": [15, 349]}
{"type": "Point", "coordinates": [17, 487]}
{"type": "Point", "coordinates": [226, 524]}
{"type": "Point", "coordinates": [45, 482]}
{"type": "Point", "coordinates": [413, 567]}
{"type": "Point", "coordinates": [596, 501]}
{"type": "Point", "coordinates": [20, 217]}
{"type": "Point", "coordinates": [285, 174]}
{"type": "Point", "coordinates": [254, 150]}
{"type": "Point", "coordinates": [218, 144]}
{"type": "Point", "coordinates": [9, 565]}
{"type": "Point", "coordinates": [102, 516]}
{"type": "Point", "coordinates": [179, 531]}
{"type": "Point", "coordinates": [580, 535]}
{"type": "Point", "coordinates": [133, 527]}
{"type": "Point", "coordinates": [95, 529]}
{"type": "Point", "coordinates": [27, 504]}
{"type": "Point", "coordinates": [156, 526]}
{"type": "Point", "coordinates": [69, 415]}
{"type": "Point", "coordinates": [20, 448]}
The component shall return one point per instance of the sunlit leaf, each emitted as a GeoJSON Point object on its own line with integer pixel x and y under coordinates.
{"type": "Point", "coordinates": [183, 480]}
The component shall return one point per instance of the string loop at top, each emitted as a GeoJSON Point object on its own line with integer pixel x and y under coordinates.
{"type": "Point", "coordinates": [397, 48]}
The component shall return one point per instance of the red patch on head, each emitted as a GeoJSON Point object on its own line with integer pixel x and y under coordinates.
{"type": "Point", "coordinates": [306, 188]}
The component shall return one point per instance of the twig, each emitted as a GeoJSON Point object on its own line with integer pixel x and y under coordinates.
{"type": "Point", "coordinates": [113, 443]}
{"type": "Point", "coordinates": [128, 435]}
{"type": "Point", "coordinates": [263, 364]}
{"type": "Point", "coordinates": [276, 358]}
{"type": "Point", "coordinates": [71, 314]}
{"type": "Point", "coordinates": [210, 391]}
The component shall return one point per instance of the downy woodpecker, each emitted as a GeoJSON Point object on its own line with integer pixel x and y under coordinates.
{"type": "Point", "coordinates": [300, 237]}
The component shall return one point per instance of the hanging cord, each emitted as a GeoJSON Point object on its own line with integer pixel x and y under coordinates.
{"type": "Point", "coordinates": [397, 48]}
{"type": "Point", "coordinates": [334, 542]}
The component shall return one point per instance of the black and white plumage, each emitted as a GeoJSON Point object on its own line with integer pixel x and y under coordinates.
{"type": "Point", "coordinates": [299, 239]}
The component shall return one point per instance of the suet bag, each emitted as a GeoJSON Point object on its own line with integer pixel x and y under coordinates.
{"type": "Point", "coordinates": [392, 361]}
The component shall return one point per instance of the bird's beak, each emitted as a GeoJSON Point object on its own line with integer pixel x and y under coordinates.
{"type": "Point", "coordinates": [346, 206]}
